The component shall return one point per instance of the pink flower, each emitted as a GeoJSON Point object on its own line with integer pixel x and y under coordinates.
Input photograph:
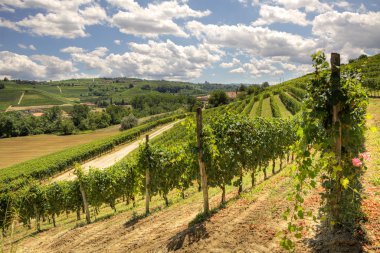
{"type": "Point", "coordinates": [365, 156]}
{"type": "Point", "coordinates": [356, 162]}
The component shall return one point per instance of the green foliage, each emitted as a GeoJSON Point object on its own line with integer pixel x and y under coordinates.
{"type": "Point", "coordinates": [79, 114]}
{"type": "Point", "coordinates": [290, 103]}
{"type": "Point", "coordinates": [128, 122]}
{"type": "Point", "coordinates": [259, 109]}
{"type": "Point", "coordinates": [298, 92]}
{"type": "Point", "coordinates": [317, 156]}
{"type": "Point", "coordinates": [117, 113]}
{"type": "Point", "coordinates": [67, 127]}
{"type": "Point", "coordinates": [376, 181]}
{"type": "Point", "coordinates": [274, 107]}
{"type": "Point", "coordinates": [218, 97]}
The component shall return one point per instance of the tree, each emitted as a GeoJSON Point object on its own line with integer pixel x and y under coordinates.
{"type": "Point", "coordinates": [242, 87]}
{"type": "Point", "coordinates": [264, 85]}
{"type": "Point", "coordinates": [218, 97]}
{"type": "Point", "coordinates": [79, 113]}
{"type": "Point", "coordinates": [253, 89]}
{"type": "Point", "coordinates": [117, 113]}
{"type": "Point", "coordinates": [67, 127]}
{"type": "Point", "coordinates": [2, 86]}
{"type": "Point", "coordinates": [128, 122]}
{"type": "Point", "coordinates": [363, 56]}
{"type": "Point", "coordinates": [99, 120]}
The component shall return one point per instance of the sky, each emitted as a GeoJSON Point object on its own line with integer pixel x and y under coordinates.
{"type": "Point", "coordinates": [219, 41]}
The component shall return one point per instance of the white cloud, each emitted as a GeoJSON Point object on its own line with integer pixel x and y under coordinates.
{"type": "Point", "coordinates": [22, 46]}
{"type": "Point", "coordinates": [362, 8]}
{"type": "Point", "coordinates": [308, 5]}
{"type": "Point", "coordinates": [60, 19]}
{"type": "Point", "coordinates": [55, 68]}
{"type": "Point", "coordinates": [273, 14]}
{"type": "Point", "coordinates": [117, 42]}
{"type": "Point", "coordinates": [257, 41]}
{"type": "Point", "coordinates": [237, 71]}
{"type": "Point", "coordinates": [337, 29]}
{"type": "Point", "coordinates": [72, 50]}
{"type": "Point", "coordinates": [164, 60]}
{"type": "Point", "coordinates": [157, 60]}
{"type": "Point", "coordinates": [154, 20]}
{"type": "Point", "coordinates": [343, 5]}
{"type": "Point", "coordinates": [36, 67]}
{"type": "Point", "coordinates": [93, 60]}
{"type": "Point", "coordinates": [259, 67]}
{"type": "Point", "coordinates": [4, 8]}
{"type": "Point", "coordinates": [8, 24]}
{"type": "Point", "coordinates": [235, 62]}
{"type": "Point", "coordinates": [31, 47]}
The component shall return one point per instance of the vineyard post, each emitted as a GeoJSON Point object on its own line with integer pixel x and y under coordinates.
{"type": "Point", "coordinates": [79, 173]}
{"type": "Point", "coordinates": [201, 161]}
{"type": "Point", "coordinates": [335, 82]}
{"type": "Point", "coordinates": [85, 203]}
{"type": "Point", "coordinates": [147, 180]}
{"type": "Point", "coordinates": [337, 128]}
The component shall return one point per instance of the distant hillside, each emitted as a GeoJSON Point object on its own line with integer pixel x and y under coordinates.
{"type": "Point", "coordinates": [146, 96]}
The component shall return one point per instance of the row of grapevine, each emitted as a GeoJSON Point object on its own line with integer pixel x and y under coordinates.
{"type": "Point", "coordinates": [48, 165]}
{"type": "Point", "coordinates": [274, 106]}
{"type": "Point", "coordinates": [259, 109]}
{"type": "Point", "coordinates": [233, 145]}
{"type": "Point", "coordinates": [290, 103]}
{"type": "Point", "coordinates": [249, 106]}
{"type": "Point", "coordinates": [299, 93]}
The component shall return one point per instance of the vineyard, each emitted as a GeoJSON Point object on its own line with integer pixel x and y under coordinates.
{"type": "Point", "coordinates": [283, 132]}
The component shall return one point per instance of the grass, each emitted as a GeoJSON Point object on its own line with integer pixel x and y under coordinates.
{"type": "Point", "coordinates": [9, 97]}
{"type": "Point", "coordinates": [284, 112]}
{"type": "Point", "coordinates": [266, 111]}
{"type": "Point", "coordinates": [373, 140]}
{"type": "Point", "coordinates": [20, 149]}
{"type": "Point", "coordinates": [32, 98]}
{"type": "Point", "coordinates": [252, 114]}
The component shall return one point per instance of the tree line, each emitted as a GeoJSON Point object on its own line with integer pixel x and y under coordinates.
{"type": "Point", "coordinates": [80, 118]}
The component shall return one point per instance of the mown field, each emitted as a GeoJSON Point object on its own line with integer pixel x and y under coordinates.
{"type": "Point", "coordinates": [19, 149]}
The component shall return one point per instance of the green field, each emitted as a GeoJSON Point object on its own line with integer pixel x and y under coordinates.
{"type": "Point", "coordinates": [9, 97]}
{"type": "Point", "coordinates": [32, 98]}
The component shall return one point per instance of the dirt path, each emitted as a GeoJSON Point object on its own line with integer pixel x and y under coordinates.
{"type": "Point", "coordinates": [59, 88]}
{"type": "Point", "coordinates": [34, 107]}
{"type": "Point", "coordinates": [110, 159]}
{"type": "Point", "coordinates": [21, 97]}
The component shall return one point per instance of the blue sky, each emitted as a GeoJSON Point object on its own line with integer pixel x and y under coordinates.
{"type": "Point", "coordinates": [226, 41]}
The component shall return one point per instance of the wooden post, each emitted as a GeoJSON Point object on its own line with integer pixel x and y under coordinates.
{"type": "Point", "coordinates": [85, 203]}
{"type": "Point", "coordinates": [335, 82]}
{"type": "Point", "coordinates": [201, 161]}
{"type": "Point", "coordinates": [147, 181]}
